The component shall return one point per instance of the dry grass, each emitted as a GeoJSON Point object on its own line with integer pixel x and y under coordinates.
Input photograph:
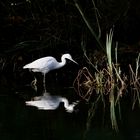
{"type": "Point", "coordinates": [108, 81]}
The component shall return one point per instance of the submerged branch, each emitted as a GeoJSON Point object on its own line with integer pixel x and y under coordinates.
{"type": "Point", "coordinates": [112, 110]}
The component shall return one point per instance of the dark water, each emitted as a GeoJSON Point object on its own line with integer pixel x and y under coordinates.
{"type": "Point", "coordinates": [21, 122]}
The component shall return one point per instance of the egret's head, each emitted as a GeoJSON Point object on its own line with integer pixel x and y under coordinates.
{"type": "Point", "coordinates": [68, 56]}
{"type": "Point", "coordinates": [69, 107]}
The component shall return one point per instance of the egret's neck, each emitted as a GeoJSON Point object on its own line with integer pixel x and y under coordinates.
{"type": "Point", "coordinates": [63, 62]}
{"type": "Point", "coordinates": [66, 103]}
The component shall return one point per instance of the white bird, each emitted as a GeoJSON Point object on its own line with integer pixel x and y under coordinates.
{"type": "Point", "coordinates": [48, 102]}
{"type": "Point", "coordinates": [46, 64]}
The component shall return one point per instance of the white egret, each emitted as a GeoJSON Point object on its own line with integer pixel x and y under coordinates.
{"type": "Point", "coordinates": [46, 64]}
{"type": "Point", "coordinates": [48, 102]}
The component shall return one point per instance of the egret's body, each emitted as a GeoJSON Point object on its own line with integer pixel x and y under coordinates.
{"type": "Point", "coordinates": [46, 64]}
{"type": "Point", "coordinates": [47, 102]}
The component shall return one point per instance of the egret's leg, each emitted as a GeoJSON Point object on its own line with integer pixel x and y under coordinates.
{"type": "Point", "coordinates": [44, 83]}
{"type": "Point", "coordinates": [33, 84]}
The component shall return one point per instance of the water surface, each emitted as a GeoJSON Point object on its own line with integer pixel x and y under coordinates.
{"type": "Point", "coordinates": [18, 121]}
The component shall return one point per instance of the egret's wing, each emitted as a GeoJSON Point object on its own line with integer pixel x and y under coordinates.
{"type": "Point", "coordinates": [45, 103]}
{"type": "Point", "coordinates": [39, 104]}
{"type": "Point", "coordinates": [44, 64]}
{"type": "Point", "coordinates": [42, 104]}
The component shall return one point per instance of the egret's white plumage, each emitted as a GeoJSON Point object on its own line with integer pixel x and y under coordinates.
{"type": "Point", "coordinates": [47, 102]}
{"type": "Point", "coordinates": [46, 64]}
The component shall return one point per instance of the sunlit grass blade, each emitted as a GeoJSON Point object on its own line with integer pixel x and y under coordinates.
{"type": "Point", "coordinates": [108, 48]}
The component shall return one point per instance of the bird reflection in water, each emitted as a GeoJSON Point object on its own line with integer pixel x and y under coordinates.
{"type": "Point", "coordinates": [48, 102]}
